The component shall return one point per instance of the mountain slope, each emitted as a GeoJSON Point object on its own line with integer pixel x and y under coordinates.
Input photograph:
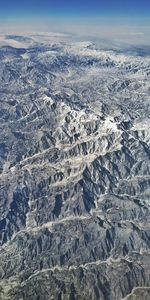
{"type": "Point", "coordinates": [75, 172]}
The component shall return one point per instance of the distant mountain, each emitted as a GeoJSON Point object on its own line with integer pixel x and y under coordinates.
{"type": "Point", "coordinates": [18, 38]}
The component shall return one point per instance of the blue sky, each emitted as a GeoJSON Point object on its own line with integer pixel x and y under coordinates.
{"type": "Point", "coordinates": [121, 20]}
{"type": "Point", "coordinates": [68, 8]}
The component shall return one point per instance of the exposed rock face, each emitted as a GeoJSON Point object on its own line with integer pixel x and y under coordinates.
{"type": "Point", "coordinates": [75, 173]}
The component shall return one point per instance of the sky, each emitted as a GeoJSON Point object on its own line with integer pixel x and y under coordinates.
{"type": "Point", "coordinates": [126, 19]}
{"type": "Point", "coordinates": [14, 8]}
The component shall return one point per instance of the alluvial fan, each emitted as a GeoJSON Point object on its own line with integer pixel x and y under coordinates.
{"type": "Point", "coordinates": [74, 172]}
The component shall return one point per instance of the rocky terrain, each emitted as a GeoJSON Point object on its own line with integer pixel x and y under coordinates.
{"type": "Point", "coordinates": [74, 171]}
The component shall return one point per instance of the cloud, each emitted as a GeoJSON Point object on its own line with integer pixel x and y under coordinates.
{"type": "Point", "coordinates": [136, 33]}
